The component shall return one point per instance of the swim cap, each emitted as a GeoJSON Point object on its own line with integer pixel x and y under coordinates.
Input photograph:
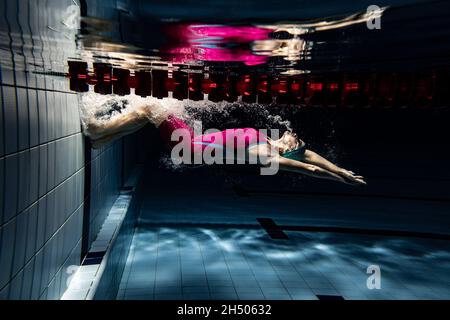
{"type": "Point", "coordinates": [296, 154]}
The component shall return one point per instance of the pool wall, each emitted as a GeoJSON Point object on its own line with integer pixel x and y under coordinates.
{"type": "Point", "coordinates": [116, 256]}
{"type": "Point", "coordinates": [55, 191]}
{"type": "Point", "coordinates": [41, 159]}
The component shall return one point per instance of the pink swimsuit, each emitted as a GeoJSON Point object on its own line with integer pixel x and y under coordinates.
{"type": "Point", "coordinates": [238, 139]}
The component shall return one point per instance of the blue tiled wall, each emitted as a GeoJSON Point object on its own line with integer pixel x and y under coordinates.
{"type": "Point", "coordinates": [109, 283]}
{"type": "Point", "coordinates": [42, 155]}
{"type": "Point", "coordinates": [106, 181]}
{"type": "Point", "coordinates": [42, 185]}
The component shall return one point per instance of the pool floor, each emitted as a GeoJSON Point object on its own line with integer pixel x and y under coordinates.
{"type": "Point", "coordinates": [168, 262]}
{"type": "Point", "coordinates": [197, 239]}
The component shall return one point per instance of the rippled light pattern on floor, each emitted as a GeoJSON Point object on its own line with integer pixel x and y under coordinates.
{"type": "Point", "coordinates": [177, 262]}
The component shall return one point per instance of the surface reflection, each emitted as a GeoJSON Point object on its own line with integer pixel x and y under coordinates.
{"type": "Point", "coordinates": [194, 43]}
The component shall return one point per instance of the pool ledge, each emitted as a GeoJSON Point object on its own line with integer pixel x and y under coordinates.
{"type": "Point", "coordinates": [99, 275]}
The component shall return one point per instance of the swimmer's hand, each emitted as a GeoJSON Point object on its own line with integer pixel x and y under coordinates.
{"type": "Point", "coordinates": [351, 178]}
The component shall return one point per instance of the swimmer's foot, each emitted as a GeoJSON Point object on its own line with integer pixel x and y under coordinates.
{"type": "Point", "coordinates": [154, 112]}
{"type": "Point", "coordinates": [94, 129]}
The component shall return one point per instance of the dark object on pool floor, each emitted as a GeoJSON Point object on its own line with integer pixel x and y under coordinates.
{"type": "Point", "coordinates": [272, 229]}
{"type": "Point", "coordinates": [328, 297]}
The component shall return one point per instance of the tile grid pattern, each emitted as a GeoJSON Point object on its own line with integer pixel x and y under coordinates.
{"type": "Point", "coordinates": [41, 162]}
{"type": "Point", "coordinates": [190, 263]}
{"type": "Point", "coordinates": [119, 249]}
{"type": "Point", "coordinates": [106, 181]}
{"type": "Point", "coordinates": [41, 155]}
{"type": "Point", "coordinates": [42, 202]}
{"type": "Point", "coordinates": [87, 277]}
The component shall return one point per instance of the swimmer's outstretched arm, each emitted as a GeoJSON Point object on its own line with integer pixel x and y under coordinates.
{"type": "Point", "coordinates": [315, 159]}
{"type": "Point", "coordinates": [306, 169]}
{"type": "Point", "coordinates": [309, 170]}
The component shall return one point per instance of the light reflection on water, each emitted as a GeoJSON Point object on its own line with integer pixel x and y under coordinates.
{"type": "Point", "coordinates": [193, 44]}
{"type": "Point", "coordinates": [46, 44]}
{"type": "Point", "coordinates": [37, 36]}
{"type": "Point", "coordinates": [125, 37]}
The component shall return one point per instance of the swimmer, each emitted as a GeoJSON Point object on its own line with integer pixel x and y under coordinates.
{"type": "Point", "coordinates": [289, 151]}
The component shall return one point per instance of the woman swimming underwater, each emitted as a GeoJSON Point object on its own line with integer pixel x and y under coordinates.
{"type": "Point", "coordinates": [289, 153]}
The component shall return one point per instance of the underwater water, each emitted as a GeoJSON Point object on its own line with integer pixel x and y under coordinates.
{"type": "Point", "coordinates": [371, 100]}
{"type": "Point", "coordinates": [200, 235]}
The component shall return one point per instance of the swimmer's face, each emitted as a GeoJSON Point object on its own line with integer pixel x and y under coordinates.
{"type": "Point", "coordinates": [289, 141]}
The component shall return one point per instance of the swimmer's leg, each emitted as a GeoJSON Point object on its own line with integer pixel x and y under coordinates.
{"type": "Point", "coordinates": [103, 140]}
{"type": "Point", "coordinates": [125, 123]}
{"type": "Point", "coordinates": [103, 132]}
{"type": "Point", "coordinates": [155, 113]}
